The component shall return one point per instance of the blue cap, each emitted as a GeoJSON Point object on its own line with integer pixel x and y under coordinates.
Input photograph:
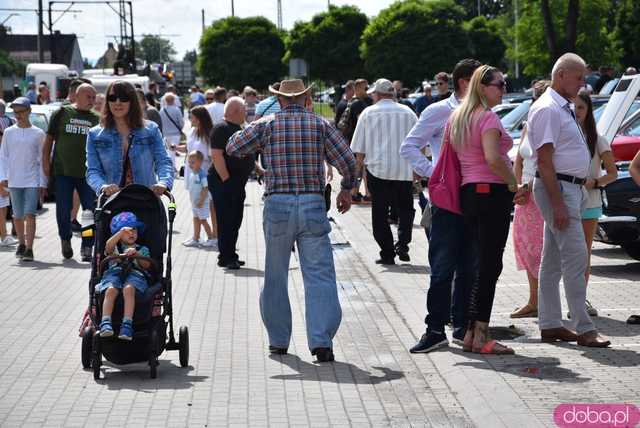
{"type": "Point", "coordinates": [126, 219]}
{"type": "Point", "coordinates": [21, 102]}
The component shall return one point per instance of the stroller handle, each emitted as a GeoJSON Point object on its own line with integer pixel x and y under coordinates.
{"type": "Point", "coordinates": [102, 197]}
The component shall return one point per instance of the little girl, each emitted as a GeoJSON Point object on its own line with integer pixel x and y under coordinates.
{"type": "Point", "coordinates": [199, 195]}
{"type": "Point", "coordinates": [124, 230]}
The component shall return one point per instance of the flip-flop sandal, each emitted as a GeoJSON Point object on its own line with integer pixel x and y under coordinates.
{"type": "Point", "coordinates": [490, 348]}
{"type": "Point", "coordinates": [633, 319]}
{"type": "Point", "coordinates": [531, 313]}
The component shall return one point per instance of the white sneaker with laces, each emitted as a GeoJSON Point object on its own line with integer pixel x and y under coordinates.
{"type": "Point", "coordinates": [191, 243]}
{"type": "Point", "coordinates": [8, 241]}
{"type": "Point", "coordinates": [210, 243]}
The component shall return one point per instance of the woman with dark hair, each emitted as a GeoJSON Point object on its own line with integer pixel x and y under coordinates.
{"type": "Point", "coordinates": [124, 148]}
{"type": "Point", "coordinates": [198, 140]}
{"type": "Point", "coordinates": [600, 154]}
{"type": "Point", "coordinates": [487, 192]}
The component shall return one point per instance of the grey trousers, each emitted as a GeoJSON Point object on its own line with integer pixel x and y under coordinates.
{"type": "Point", "coordinates": [564, 254]}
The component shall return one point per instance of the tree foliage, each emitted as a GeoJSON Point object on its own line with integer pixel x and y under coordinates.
{"type": "Point", "coordinates": [413, 39]}
{"type": "Point", "coordinates": [329, 43]}
{"type": "Point", "coordinates": [154, 49]}
{"type": "Point", "coordinates": [627, 32]}
{"type": "Point", "coordinates": [485, 41]}
{"type": "Point", "coordinates": [488, 8]}
{"type": "Point", "coordinates": [191, 57]}
{"type": "Point", "coordinates": [593, 40]}
{"type": "Point", "coordinates": [241, 51]}
{"type": "Point", "coordinates": [9, 66]}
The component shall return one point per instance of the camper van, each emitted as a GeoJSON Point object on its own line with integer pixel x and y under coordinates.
{"type": "Point", "coordinates": [57, 77]}
{"type": "Point", "coordinates": [100, 81]}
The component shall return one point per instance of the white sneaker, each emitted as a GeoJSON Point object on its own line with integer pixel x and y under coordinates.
{"type": "Point", "coordinates": [87, 215]}
{"type": "Point", "coordinates": [8, 241]}
{"type": "Point", "coordinates": [210, 243]}
{"type": "Point", "coordinates": [191, 243]}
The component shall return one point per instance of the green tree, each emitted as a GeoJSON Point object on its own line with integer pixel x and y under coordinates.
{"type": "Point", "coordinates": [414, 39]}
{"type": "Point", "coordinates": [593, 40]}
{"type": "Point", "coordinates": [9, 66]}
{"type": "Point", "coordinates": [329, 43]}
{"type": "Point", "coordinates": [241, 51]}
{"type": "Point", "coordinates": [628, 32]}
{"type": "Point", "coordinates": [154, 48]}
{"type": "Point", "coordinates": [488, 8]}
{"type": "Point", "coordinates": [191, 57]}
{"type": "Point", "coordinates": [485, 41]}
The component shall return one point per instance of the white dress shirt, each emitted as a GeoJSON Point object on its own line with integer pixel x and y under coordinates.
{"type": "Point", "coordinates": [216, 111]}
{"type": "Point", "coordinates": [21, 157]}
{"type": "Point", "coordinates": [428, 131]}
{"type": "Point", "coordinates": [380, 131]}
{"type": "Point", "coordinates": [551, 121]}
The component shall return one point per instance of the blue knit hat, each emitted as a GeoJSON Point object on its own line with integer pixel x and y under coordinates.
{"type": "Point", "coordinates": [126, 219]}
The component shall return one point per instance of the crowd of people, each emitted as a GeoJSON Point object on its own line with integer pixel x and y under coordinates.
{"type": "Point", "coordinates": [452, 142]}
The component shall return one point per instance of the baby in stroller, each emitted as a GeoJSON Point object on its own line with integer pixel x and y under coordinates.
{"type": "Point", "coordinates": [127, 274]}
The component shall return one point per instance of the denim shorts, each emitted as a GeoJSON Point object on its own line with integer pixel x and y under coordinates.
{"type": "Point", "coordinates": [24, 200]}
{"type": "Point", "coordinates": [592, 213]}
{"type": "Point", "coordinates": [112, 280]}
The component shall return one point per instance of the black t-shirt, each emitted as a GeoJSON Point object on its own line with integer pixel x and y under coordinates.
{"type": "Point", "coordinates": [357, 107]}
{"type": "Point", "coordinates": [340, 108]}
{"type": "Point", "coordinates": [239, 168]}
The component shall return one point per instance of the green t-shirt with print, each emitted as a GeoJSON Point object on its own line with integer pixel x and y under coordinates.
{"type": "Point", "coordinates": [69, 128]}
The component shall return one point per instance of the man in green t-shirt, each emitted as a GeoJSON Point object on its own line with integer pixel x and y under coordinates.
{"type": "Point", "coordinates": [68, 129]}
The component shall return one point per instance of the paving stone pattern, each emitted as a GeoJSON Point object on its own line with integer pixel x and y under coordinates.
{"type": "Point", "coordinates": [233, 381]}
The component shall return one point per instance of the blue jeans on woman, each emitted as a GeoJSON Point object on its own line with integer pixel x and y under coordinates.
{"type": "Point", "coordinates": [299, 219]}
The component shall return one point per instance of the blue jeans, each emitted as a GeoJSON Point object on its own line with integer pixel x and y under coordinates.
{"type": "Point", "coordinates": [449, 254]}
{"type": "Point", "coordinates": [299, 219]}
{"type": "Point", "coordinates": [64, 187]}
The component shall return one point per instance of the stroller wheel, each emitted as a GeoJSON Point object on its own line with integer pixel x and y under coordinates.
{"type": "Point", "coordinates": [183, 341]}
{"type": "Point", "coordinates": [87, 339]}
{"type": "Point", "coordinates": [96, 360]}
{"type": "Point", "coordinates": [153, 354]}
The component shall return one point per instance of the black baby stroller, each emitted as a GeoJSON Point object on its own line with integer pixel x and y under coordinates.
{"type": "Point", "coordinates": [153, 309]}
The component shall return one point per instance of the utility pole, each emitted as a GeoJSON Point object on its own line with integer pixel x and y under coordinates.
{"type": "Point", "coordinates": [479, 8]}
{"type": "Point", "coordinates": [515, 5]}
{"type": "Point", "coordinates": [280, 14]}
{"type": "Point", "coordinates": [203, 20]}
{"type": "Point", "coordinates": [40, 24]}
{"type": "Point", "coordinates": [233, 10]}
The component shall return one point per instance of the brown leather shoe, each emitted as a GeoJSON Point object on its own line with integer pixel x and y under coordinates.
{"type": "Point", "coordinates": [593, 340]}
{"type": "Point", "coordinates": [561, 334]}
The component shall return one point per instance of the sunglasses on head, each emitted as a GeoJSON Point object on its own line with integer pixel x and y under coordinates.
{"type": "Point", "coordinates": [123, 98]}
{"type": "Point", "coordinates": [500, 84]}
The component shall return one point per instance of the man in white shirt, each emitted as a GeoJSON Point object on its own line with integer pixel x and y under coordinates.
{"type": "Point", "coordinates": [216, 108]}
{"type": "Point", "coordinates": [449, 252]}
{"type": "Point", "coordinates": [21, 172]}
{"type": "Point", "coordinates": [376, 141]}
{"type": "Point", "coordinates": [563, 159]}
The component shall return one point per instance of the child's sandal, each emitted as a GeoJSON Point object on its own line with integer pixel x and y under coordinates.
{"type": "Point", "coordinates": [106, 329]}
{"type": "Point", "coordinates": [126, 331]}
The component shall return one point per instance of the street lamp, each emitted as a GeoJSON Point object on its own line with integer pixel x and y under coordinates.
{"type": "Point", "coordinates": [9, 17]}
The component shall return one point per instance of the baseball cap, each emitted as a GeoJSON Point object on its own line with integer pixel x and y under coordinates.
{"type": "Point", "coordinates": [126, 219]}
{"type": "Point", "coordinates": [21, 102]}
{"type": "Point", "coordinates": [382, 86]}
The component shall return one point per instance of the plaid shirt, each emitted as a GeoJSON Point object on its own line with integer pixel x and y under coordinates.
{"type": "Point", "coordinates": [295, 143]}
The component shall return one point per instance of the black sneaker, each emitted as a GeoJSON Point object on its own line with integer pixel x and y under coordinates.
{"type": "Point", "coordinates": [76, 226]}
{"type": "Point", "coordinates": [458, 335]}
{"type": "Point", "coordinates": [21, 250]}
{"type": "Point", "coordinates": [277, 351]}
{"type": "Point", "coordinates": [86, 253]}
{"type": "Point", "coordinates": [404, 256]}
{"type": "Point", "coordinates": [28, 255]}
{"type": "Point", "coordinates": [430, 342]}
{"type": "Point", "coordinates": [234, 265]}
{"type": "Point", "coordinates": [67, 251]}
{"type": "Point", "coordinates": [323, 355]}
{"type": "Point", "coordinates": [385, 262]}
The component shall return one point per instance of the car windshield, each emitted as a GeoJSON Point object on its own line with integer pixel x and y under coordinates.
{"type": "Point", "coordinates": [633, 130]}
{"type": "Point", "coordinates": [608, 87]}
{"type": "Point", "coordinates": [37, 119]}
{"type": "Point", "coordinates": [514, 117]}
{"type": "Point", "coordinates": [635, 106]}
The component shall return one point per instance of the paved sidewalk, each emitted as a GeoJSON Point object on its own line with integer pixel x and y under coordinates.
{"type": "Point", "coordinates": [232, 381]}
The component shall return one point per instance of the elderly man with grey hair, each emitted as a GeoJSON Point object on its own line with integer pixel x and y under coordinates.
{"type": "Point", "coordinates": [172, 124]}
{"type": "Point", "coordinates": [227, 179]}
{"type": "Point", "coordinates": [563, 160]}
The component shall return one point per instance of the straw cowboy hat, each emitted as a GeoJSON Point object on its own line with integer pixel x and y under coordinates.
{"type": "Point", "coordinates": [291, 88]}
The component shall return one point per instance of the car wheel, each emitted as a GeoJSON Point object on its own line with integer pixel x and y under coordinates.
{"type": "Point", "coordinates": [632, 249]}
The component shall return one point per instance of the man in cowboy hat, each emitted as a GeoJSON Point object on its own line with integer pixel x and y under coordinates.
{"type": "Point", "coordinates": [295, 143]}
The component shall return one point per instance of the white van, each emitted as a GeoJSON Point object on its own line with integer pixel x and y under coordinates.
{"type": "Point", "coordinates": [101, 81]}
{"type": "Point", "coordinates": [56, 76]}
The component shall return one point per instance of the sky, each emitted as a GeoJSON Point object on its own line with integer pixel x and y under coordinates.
{"type": "Point", "coordinates": [177, 20]}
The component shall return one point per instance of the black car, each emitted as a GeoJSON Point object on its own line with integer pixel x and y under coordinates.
{"type": "Point", "coordinates": [620, 223]}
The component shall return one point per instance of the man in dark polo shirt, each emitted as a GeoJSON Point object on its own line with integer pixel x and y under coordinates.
{"type": "Point", "coordinates": [68, 129]}
{"type": "Point", "coordinates": [227, 179]}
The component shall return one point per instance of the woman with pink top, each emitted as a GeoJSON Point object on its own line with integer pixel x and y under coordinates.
{"type": "Point", "coordinates": [486, 196]}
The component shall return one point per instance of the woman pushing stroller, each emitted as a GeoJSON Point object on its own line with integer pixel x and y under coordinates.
{"type": "Point", "coordinates": [127, 274]}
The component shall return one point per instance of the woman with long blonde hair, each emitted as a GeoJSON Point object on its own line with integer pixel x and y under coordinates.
{"type": "Point", "coordinates": [486, 196]}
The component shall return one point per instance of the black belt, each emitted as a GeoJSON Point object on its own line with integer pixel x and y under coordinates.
{"type": "Point", "coordinates": [568, 178]}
